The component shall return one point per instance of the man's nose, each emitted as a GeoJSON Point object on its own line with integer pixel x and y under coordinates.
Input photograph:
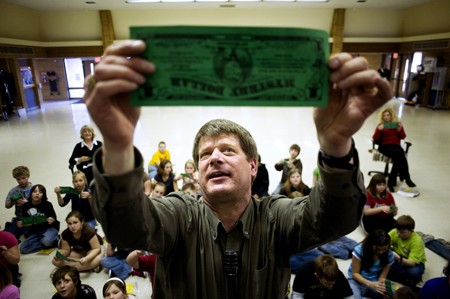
{"type": "Point", "coordinates": [216, 157]}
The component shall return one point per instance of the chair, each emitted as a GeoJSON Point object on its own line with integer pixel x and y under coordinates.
{"type": "Point", "coordinates": [377, 156]}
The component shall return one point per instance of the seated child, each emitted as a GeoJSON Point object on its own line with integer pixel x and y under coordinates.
{"type": "Point", "coordinates": [166, 176]}
{"type": "Point", "coordinates": [80, 245]}
{"type": "Point", "coordinates": [380, 207]}
{"type": "Point", "coordinates": [294, 183]}
{"type": "Point", "coordinates": [139, 259]}
{"type": "Point", "coordinates": [115, 288]}
{"type": "Point", "coordinates": [40, 219]}
{"type": "Point", "coordinates": [260, 186]}
{"type": "Point", "coordinates": [158, 190]}
{"type": "Point", "coordinates": [321, 278]}
{"type": "Point", "coordinates": [7, 289]}
{"type": "Point", "coordinates": [10, 255]}
{"type": "Point", "coordinates": [438, 287]}
{"type": "Point", "coordinates": [68, 285]}
{"type": "Point", "coordinates": [80, 202]}
{"type": "Point", "coordinates": [370, 265]}
{"type": "Point", "coordinates": [189, 188]}
{"type": "Point", "coordinates": [16, 197]}
{"type": "Point", "coordinates": [409, 252]}
{"type": "Point", "coordinates": [115, 261]}
{"type": "Point", "coordinates": [286, 165]}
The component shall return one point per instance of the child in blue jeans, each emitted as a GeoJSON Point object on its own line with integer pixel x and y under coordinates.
{"type": "Point", "coordinates": [40, 218]}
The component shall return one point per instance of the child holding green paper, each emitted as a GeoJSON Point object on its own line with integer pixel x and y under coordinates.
{"type": "Point", "coordinates": [40, 218]}
{"type": "Point", "coordinates": [190, 174]}
{"type": "Point", "coordinates": [16, 197]}
{"type": "Point", "coordinates": [79, 198]}
{"type": "Point", "coordinates": [80, 245]}
{"type": "Point", "coordinates": [380, 208]}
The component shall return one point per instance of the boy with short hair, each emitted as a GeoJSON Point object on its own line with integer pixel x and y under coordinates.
{"type": "Point", "coordinates": [321, 278]}
{"type": "Point", "coordinates": [286, 165]}
{"type": "Point", "coordinates": [409, 253]}
{"type": "Point", "coordinates": [16, 197]}
{"type": "Point", "coordinates": [161, 154]}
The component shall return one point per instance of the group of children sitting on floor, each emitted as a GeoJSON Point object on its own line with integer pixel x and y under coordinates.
{"type": "Point", "coordinates": [392, 250]}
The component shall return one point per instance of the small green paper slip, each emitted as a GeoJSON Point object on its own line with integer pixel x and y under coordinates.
{"type": "Point", "coordinates": [37, 219]}
{"type": "Point", "coordinates": [65, 190]}
{"type": "Point", "coordinates": [63, 257]}
{"type": "Point", "coordinates": [16, 196]}
{"type": "Point", "coordinates": [390, 125]}
{"type": "Point", "coordinates": [234, 66]}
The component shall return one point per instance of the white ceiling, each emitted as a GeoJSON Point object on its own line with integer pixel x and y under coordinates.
{"type": "Point", "coordinates": [71, 5]}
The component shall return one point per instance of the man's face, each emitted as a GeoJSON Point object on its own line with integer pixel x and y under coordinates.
{"type": "Point", "coordinates": [22, 181]}
{"type": "Point", "coordinates": [224, 171]}
{"type": "Point", "coordinates": [66, 287]}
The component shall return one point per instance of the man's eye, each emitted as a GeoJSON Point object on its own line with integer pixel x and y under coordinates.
{"type": "Point", "coordinates": [228, 150]}
{"type": "Point", "coordinates": [204, 155]}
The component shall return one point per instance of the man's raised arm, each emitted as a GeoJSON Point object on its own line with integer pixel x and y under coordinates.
{"type": "Point", "coordinates": [119, 72]}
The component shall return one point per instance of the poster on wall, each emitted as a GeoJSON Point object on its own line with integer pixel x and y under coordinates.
{"type": "Point", "coordinates": [27, 77]}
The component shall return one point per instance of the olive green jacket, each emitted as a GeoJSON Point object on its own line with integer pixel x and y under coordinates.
{"type": "Point", "coordinates": [189, 239]}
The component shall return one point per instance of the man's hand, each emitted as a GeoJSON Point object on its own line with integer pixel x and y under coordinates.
{"type": "Point", "coordinates": [355, 93]}
{"type": "Point", "coordinates": [107, 98]}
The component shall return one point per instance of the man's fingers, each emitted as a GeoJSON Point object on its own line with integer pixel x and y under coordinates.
{"type": "Point", "coordinates": [126, 48]}
{"type": "Point", "coordinates": [132, 69]}
{"type": "Point", "coordinates": [348, 68]}
{"type": "Point", "coordinates": [338, 59]}
{"type": "Point", "coordinates": [362, 79]}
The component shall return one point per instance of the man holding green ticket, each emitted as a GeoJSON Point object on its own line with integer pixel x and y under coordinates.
{"type": "Point", "coordinates": [227, 244]}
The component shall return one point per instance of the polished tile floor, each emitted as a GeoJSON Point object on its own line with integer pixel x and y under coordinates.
{"type": "Point", "coordinates": [43, 140]}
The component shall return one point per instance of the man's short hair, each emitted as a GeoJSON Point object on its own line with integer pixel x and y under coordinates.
{"type": "Point", "coordinates": [216, 127]}
{"type": "Point", "coordinates": [405, 222]}
{"type": "Point", "coordinates": [295, 147]}
{"type": "Point", "coordinates": [20, 171]}
{"type": "Point", "coordinates": [161, 142]}
{"type": "Point", "coordinates": [326, 267]}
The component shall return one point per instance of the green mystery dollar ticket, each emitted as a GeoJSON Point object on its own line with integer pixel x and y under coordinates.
{"type": "Point", "coordinates": [234, 66]}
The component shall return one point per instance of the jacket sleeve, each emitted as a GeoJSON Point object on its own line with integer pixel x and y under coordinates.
{"type": "Point", "coordinates": [128, 218]}
{"type": "Point", "coordinates": [332, 209]}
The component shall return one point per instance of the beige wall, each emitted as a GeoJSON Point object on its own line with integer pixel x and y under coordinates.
{"type": "Point", "coordinates": [70, 26]}
{"type": "Point", "coordinates": [314, 18]}
{"type": "Point", "coordinates": [427, 19]}
{"type": "Point", "coordinates": [373, 23]}
{"type": "Point", "coordinates": [21, 23]}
